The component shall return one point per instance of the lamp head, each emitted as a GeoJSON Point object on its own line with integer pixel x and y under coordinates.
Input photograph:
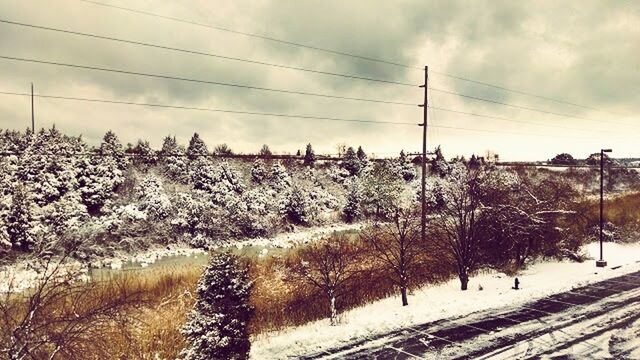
{"type": "Point", "coordinates": [606, 150]}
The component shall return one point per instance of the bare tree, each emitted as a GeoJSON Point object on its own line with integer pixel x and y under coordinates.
{"type": "Point", "coordinates": [457, 205]}
{"type": "Point", "coordinates": [62, 317]}
{"type": "Point", "coordinates": [396, 246]}
{"type": "Point", "coordinates": [329, 266]}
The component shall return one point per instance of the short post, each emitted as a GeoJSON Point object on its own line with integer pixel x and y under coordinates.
{"type": "Point", "coordinates": [516, 284]}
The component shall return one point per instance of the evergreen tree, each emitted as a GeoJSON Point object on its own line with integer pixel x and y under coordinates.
{"type": "Point", "coordinates": [197, 147]}
{"type": "Point", "coordinates": [474, 162]}
{"type": "Point", "coordinates": [144, 156]}
{"type": "Point", "coordinates": [351, 163]}
{"type": "Point", "coordinates": [405, 167]}
{"type": "Point", "coordinates": [309, 156]}
{"type": "Point", "coordinates": [439, 165]}
{"type": "Point", "coordinates": [352, 210]}
{"type": "Point", "coordinates": [361, 154]}
{"type": "Point", "coordinates": [280, 178]}
{"type": "Point", "coordinates": [217, 327]}
{"type": "Point", "coordinates": [295, 206]}
{"type": "Point", "coordinates": [258, 172]}
{"type": "Point", "coordinates": [20, 220]}
{"type": "Point", "coordinates": [298, 153]}
{"type": "Point", "coordinates": [111, 148]}
{"type": "Point", "coordinates": [173, 159]}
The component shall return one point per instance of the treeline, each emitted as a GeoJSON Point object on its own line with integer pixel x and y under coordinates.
{"type": "Point", "coordinates": [56, 186]}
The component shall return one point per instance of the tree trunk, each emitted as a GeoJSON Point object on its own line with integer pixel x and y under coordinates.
{"type": "Point", "coordinates": [464, 280]}
{"type": "Point", "coordinates": [334, 312]}
{"type": "Point", "coordinates": [403, 293]}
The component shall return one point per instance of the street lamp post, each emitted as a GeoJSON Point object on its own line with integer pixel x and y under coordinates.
{"type": "Point", "coordinates": [602, 262]}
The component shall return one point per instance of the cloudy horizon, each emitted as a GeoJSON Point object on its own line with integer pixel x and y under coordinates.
{"type": "Point", "coordinates": [583, 52]}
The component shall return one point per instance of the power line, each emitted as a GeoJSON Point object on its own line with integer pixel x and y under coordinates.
{"type": "Point", "coordinates": [525, 107]}
{"type": "Point", "coordinates": [263, 37]}
{"type": "Point", "coordinates": [336, 52]}
{"type": "Point", "coordinates": [517, 121]}
{"type": "Point", "coordinates": [457, 77]}
{"type": "Point", "coordinates": [179, 107]}
{"type": "Point", "coordinates": [194, 52]}
{"type": "Point", "coordinates": [159, 76]}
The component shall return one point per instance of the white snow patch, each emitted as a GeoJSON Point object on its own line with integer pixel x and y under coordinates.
{"type": "Point", "coordinates": [432, 303]}
{"type": "Point", "coordinates": [299, 236]}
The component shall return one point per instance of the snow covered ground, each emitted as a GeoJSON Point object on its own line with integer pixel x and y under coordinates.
{"type": "Point", "coordinates": [446, 300]}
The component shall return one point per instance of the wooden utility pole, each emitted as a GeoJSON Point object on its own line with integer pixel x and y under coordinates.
{"type": "Point", "coordinates": [33, 117]}
{"type": "Point", "coordinates": [423, 198]}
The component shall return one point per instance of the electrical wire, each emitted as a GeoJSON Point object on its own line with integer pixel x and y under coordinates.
{"type": "Point", "coordinates": [194, 52]}
{"type": "Point", "coordinates": [243, 86]}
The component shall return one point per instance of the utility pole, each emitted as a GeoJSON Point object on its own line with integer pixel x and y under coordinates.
{"type": "Point", "coordinates": [33, 117]}
{"type": "Point", "coordinates": [601, 262]}
{"type": "Point", "coordinates": [423, 198]}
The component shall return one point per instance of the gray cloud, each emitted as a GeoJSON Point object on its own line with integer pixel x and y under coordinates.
{"type": "Point", "coordinates": [580, 51]}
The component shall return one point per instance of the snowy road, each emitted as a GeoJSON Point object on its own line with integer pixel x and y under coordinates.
{"type": "Point", "coordinates": [597, 321]}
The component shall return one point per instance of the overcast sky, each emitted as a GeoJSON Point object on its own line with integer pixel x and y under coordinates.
{"type": "Point", "coordinates": [583, 52]}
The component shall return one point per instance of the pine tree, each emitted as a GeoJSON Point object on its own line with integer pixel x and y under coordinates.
{"type": "Point", "coordinates": [280, 178]}
{"type": "Point", "coordinates": [20, 220]}
{"type": "Point", "coordinates": [361, 154]}
{"type": "Point", "coordinates": [352, 209]}
{"type": "Point", "coordinates": [217, 327]}
{"type": "Point", "coordinates": [258, 172]}
{"type": "Point", "coordinates": [439, 165]}
{"type": "Point", "coordinates": [144, 154]}
{"type": "Point", "coordinates": [197, 147]}
{"type": "Point", "coordinates": [351, 162]}
{"type": "Point", "coordinates": [406, 168]}
{"type": "Point", "coordinates": [295, 206]}
{"type": "Point", "coordinates": [111, 148]}
{"type": "Point", "coordinates": [172, 159]}
{"type": "Point", "coordinates": [309, 156]}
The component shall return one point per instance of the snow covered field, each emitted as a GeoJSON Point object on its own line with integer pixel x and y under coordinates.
{"type": "Point", "coordinates": [446, 300]}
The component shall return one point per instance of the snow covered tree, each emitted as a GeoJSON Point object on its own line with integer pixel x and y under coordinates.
{"type": "Point", "coordinates": [173, 159]}
{"type": "Point", "coordinates": [98, 178]}
{"type": "Point", "coordinates": [197, 147]}
{"type": "Point", "coordinates": [380, 190]}
{"type": "Point", "coordinates": [112, 148]}
{"type": "Point", "coordinates": [353, 208]}
{"type": "Point", "coordinates": [217, 327]}
{"type": "Point", "coordinates": [258, 172]}
{"type": "Point", "coordinates": [351, 163]}
{"type": "Point", "coordinates": [329, 266]}
{"type": "Point", "coordinates": [20, 220]}
{"type": "Point", "coordinates": [152, 199]}
{"type": "Point", "coordinates": [405, 167]}
{"type": "Point", "coordinates": [295, 206]}
{"type": "Point", "coordinates": [144, 155]}
{"type": "Point", "coordinates": [309, 156]}
{"type": "Point", "coordinates": [280, 178]}
{"type": "Point", "coordinates": [65, 215]}
{"type": "Point", "coordinates": [439, 165]}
